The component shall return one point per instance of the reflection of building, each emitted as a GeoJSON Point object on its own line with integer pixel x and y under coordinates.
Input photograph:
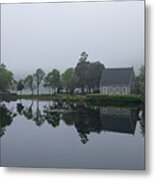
{"type": "Point", "coordinates": [118, 81]}
{"type": "Point", "coordinates": [122, 120]}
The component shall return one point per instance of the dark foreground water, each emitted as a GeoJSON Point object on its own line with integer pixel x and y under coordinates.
{"type": "Point", "coordinates": [60, 135]}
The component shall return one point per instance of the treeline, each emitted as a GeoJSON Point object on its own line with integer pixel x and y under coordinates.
{"type": "Point", "coordinates": [6, 79]}
{"type": "Point", "coordinates": [85, 77]}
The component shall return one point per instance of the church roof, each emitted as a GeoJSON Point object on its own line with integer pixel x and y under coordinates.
{"type": "Point", "coordinates": [116, 76]}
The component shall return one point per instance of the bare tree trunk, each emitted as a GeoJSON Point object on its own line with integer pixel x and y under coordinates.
{"type": "Point", "coordinates": [89, 90]}
{"type": "Point", "coordinates": [37, 89]}
{"type": "Point", "coordinates": [32, 92]}
{"type": "Point", "coordinates": [82, 90]}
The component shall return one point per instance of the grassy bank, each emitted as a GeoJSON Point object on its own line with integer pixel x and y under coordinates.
{"type": "Point", "coordinates": [101, 99]}
{"type": "Point", "coordinates": [8, 97]}
{"type": "Point", "coordinates": [96, 99]}
{"type": "Point", "coordinates": [56, 97]}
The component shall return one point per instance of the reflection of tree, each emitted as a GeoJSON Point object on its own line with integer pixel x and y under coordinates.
{"type": "Point", "coordinates": [2, 131]}
{"type": "Point", "coordinates": [28, 113]}
{"type": "Point", "coordinates": [68, 118]}
{"type": "Point", "coordinates": [20, 108]}
{"type": "Point", "coordinates": [6, 117]}
{"type": "Point", "coordinates": [52, 114]}
{"type": "Point", "coordinates": [84, 138]}
{"type": "Point", "coordinates": [53, 118]}
{"type": "Point", "coordinates": [38, 117]}
{"type": "Point", "coordinates": [57, 110]}
{"type": "Point", "coordinates": [142, 126]}
{"type": "Point", "coordinates": [85, 119]}
{"type": "Point", "coordinates": [142, 121]}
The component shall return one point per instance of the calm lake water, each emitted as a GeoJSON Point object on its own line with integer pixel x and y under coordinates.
{"type": "Point", "coordinates": [61, 135]}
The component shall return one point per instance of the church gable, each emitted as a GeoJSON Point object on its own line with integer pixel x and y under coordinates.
{"type": "Point", "coordinates": [116, 81]}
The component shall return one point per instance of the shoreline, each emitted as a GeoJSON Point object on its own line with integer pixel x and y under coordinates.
{"type": "Point", "coordinates": [94, 99]}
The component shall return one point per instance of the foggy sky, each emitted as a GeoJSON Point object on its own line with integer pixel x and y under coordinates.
{"type": "Point", "coordinates": [53, 35]}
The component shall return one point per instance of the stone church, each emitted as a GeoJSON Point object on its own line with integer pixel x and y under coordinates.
{"type": "Point", "coordinates": [118, 81]}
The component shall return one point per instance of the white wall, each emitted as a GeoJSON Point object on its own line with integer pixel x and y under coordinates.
{"type": "Point", "coordinates": [114, 90]}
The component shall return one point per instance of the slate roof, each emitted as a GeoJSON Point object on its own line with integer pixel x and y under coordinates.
{"type": "Point", "coordinates": [116, 76]}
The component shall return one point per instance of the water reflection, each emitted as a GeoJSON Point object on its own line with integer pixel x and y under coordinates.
{"type": "Point", "coordinates": [38, 117]}
{"type": "Point", "coordinates": [20, 108]}
{"type": "Point", "coordinates": [142, 121]}
{"type": "Point", "coordinates": [28, 112]}
{"type": "Point", "coordinates": [85, 119]}
{"type": "Point", "coordinates": [6, 118]}
{"type": "Point", "coordinates": [122, 120]}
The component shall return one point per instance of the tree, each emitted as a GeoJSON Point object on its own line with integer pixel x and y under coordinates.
{"type": "Point", "coordinates": [56, 79]}
{"type": "Point", "coordinates": [20, 86]}
{"type": "Point", "coordinates": [94, 77]}
{"type": "Point", "coordinates": [13, 86]}
{"type": "Point", "coordinates": [48, 81]}
{"type": "Point", "coordinates": [88, 74]}
{"type": "Point", "coordinates": [83, 57]}
{"type": "Point", "coordinates": [53, 80]}
{"type": "Point", "coordinates": [6, 78]}
{"type": "Point", "coordinates": [29, 82]}
{"type": "Point", "coordinates": [141, 82]}
{"type": "Point", "coordinates": [67, 79]}
{"type": "Point", "coordinates": [82, 71]}
{"type": "Point", "coordinates": [39, 76]}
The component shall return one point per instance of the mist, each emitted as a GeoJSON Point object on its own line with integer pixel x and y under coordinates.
{"type": "Point", "coordinates": [53, 35]}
